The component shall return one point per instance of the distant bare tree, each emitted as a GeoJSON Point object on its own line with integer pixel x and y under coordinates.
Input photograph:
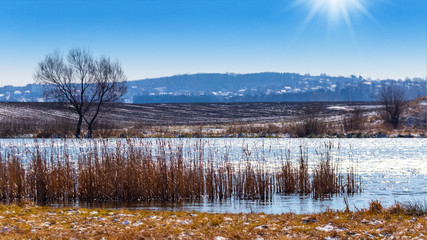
{"type": "Point", "coordinates": [393, 99]}
{"type": "Point", "coordinates": [84, 82]}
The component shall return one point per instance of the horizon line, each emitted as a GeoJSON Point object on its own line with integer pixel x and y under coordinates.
{"type": "Point", "coordinates": [247, 73]}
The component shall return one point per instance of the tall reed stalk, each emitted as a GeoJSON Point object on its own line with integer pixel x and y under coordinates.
{"type": "Point", "coordinates": [165, 170]}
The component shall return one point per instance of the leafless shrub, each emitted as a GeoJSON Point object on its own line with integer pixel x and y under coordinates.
{"type": "Point", "coordinates": [354, 120]}
{"type": "Point", "coordinates": [311, 123]}
{"type": "Point", "coordinates": [393, 99]}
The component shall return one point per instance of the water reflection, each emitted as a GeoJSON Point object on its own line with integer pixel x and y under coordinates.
{"type": "Point", "coordinates": [279, 204]}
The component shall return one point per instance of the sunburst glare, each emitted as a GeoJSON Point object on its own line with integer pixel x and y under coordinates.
{"type": "Point", "coordinates": [336, 11]}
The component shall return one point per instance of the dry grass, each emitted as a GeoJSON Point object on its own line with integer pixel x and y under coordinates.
{"type": "Point", "coordinates": [354, 120]}
{"type": "Point", "coordinates": [417, 208]}
{"type": "Point", "coordinates": [44, 120]}
{"type": "Point", "coordinates": [351, 125]}
{"type": "Point", "coordinates": [163, 170]}
{"type": "Point", "coordinates": [29, 222]}
{"type": "Point", "coordinates": [22, 126]}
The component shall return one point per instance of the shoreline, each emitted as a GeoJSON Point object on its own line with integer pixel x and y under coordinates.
{"type": "Point", "coordinates": [279, 136]}
{"type": "Point", "coordinates": [28, 221]}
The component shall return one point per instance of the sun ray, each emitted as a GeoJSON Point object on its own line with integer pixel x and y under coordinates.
{"type": "Point", "coordinates": [347, 20]}
{"type": "Point", "coordinates": [364, 11]}
{"type": "Point", "coordinates": [336, 10]}
{"type": "Point", "coordinates": [313, 12]}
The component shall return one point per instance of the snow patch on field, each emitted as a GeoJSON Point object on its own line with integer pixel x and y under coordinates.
{"type": "Point", "coordinates": [339, 108]}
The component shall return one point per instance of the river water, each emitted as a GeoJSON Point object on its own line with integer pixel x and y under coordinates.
{"type": "Point", "coordinates": [391, 169]}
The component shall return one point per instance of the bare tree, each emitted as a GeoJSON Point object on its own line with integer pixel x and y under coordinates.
{"type": "Point", "coordinates": [393, 99]}
{"type": "Point", "coordinates": [84, 82]}
{"type": "Point", "coordinates": [110, 87]}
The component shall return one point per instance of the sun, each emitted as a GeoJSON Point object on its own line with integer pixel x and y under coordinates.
{"type": "Point", "coordinates": [336, 10]}
{"type": "Point", "coordinates": [334, 6]}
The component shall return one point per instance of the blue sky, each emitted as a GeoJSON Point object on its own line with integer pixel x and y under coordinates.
{"type": "Point", "coordinates": [154, 38]}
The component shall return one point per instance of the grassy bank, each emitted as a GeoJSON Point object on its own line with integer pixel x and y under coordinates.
{"type": "Point", "coordinates": [30, 222]}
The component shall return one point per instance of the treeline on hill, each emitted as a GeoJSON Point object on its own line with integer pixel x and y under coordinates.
{"type": "Point", "coordinates": [255, 87]}
{"type": "Point", "coordinates": [349, 93]}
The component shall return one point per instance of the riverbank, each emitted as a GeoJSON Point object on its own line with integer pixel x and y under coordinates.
{"type": "Point", "coordinates": [238, 130]}
{"type": "Point", "coordinates": [26, 221]}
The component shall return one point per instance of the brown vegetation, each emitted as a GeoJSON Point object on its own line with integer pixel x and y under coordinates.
{"type": "Point", "coordinates": [163, 170]}
{"type": "Point", "coordinates": [29, 222]}
{"type": "Point", "coordinates": [44, 120]}
{"type": "Point", "coordinates": [393, 99]}
{"type": "Point", "coordinates": [354, 120]}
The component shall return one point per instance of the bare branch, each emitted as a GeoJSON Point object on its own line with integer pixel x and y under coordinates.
{"type": "Point", "coordinates": [393, 99]}
{"type": "Point", "coordinates": [86, 83]}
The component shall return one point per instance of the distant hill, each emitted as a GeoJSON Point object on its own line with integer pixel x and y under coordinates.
{"type": "Point", "coordinates": [254, 87]}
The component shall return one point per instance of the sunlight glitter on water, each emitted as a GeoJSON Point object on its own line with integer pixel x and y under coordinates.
{"type": "Point", "coordinates": [392, 169]}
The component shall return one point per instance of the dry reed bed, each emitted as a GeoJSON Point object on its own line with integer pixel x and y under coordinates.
{"type": "Point", "coordinates": [164, 170]}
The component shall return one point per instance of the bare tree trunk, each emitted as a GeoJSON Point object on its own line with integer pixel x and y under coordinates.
{"type": "Point", "coordinates": [79, 126]}
{"type": "Point", "coordinates": [90, 131]}
{"type": "Point", "coordinates": [82, 81]}
{"type": "Point", "coordinates": [90, 124]}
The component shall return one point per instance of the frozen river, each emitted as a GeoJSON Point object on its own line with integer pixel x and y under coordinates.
{"type": "Point", "coordinates": [391, 169]}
